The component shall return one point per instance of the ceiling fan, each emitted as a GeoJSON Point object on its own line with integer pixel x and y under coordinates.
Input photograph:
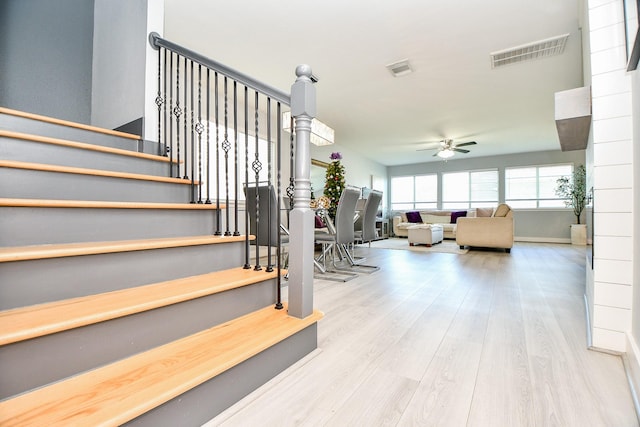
{"type": "Point", "coordinates": [447, 148]}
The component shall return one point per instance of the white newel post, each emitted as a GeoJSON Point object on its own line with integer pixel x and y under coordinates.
{"type": "Point", "coordinates": [303, 108]}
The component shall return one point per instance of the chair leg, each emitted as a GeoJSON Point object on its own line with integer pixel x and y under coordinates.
{"type": "Point", "coordinates": [360, 268]}
{"type": "Point", "coordinates": [328, 249]}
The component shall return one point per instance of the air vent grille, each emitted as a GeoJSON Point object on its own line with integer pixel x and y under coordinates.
{"type": "Point", "coordinates": [540, 49]}
{"type": "Point", "coordinates": [400, 68]}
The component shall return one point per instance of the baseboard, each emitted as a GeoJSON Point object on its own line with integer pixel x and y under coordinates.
{"type": "Point", "coordinates": [631, 362]}
{"type": "Point", "coordinates": [542, 239]}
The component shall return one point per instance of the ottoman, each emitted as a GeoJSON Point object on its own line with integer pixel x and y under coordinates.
{"type": "Point", "coordinates": [425, 234]}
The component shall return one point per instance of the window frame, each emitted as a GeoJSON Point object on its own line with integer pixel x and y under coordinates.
{"type": "Point", "coordinates": [414, 202]}
{"type": "Point", "coordinates": [470, 203]}
{"type": "Point", "coordinates": [512, 201]}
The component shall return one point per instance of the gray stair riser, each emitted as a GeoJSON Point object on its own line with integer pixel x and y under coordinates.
{"type": "Point", "coordinates": [200, 404]}
{"type": "Point", "coordinates": [33, 184]}
{"type": "Point", "coordinates": [33, 282]}
{"type": "Point", "coordinates": [51, 154]}
{"type": "Point", "coordinates": [36, 226]}
{"type": "Point", "coordinates": [52, 130]}
{"type": "Point", "coordinates": [53, 357]}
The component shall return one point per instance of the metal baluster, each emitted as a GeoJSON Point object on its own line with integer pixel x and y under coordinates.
{"type": "Point", "coordinates": [159, 100]}
{"type": "Point", "coordinates": [257, 166]}
{"type": "Point", "coordinates": [170, 149]}
{"type": "Point", "coordinates": [247, 263]}
{"type": "Point", "coordinates": [177, 111]}
{"type": "Point", "coordinates": [199, 129]}
{"type": "Point", "coordinates": [193, 143]}
{"type": "Point", "coordinates": [164, 109]}
{"type": "Point", "coordinates": [186, 114]}
{"type": "Point", "coordinates": [279, 305]}
{"type": "Point", "coordinates": [208, 159]}
{"type": "Point", "coordinates": [269, 219]}
{"type": "Point", "coordinates": [236, 232]}
{"type": "Point", "coordinates": [226, 146]}
{"type": "Point", "coordinates": [291, 187]}
{"type": "Point", "coordinates": [219, 217]}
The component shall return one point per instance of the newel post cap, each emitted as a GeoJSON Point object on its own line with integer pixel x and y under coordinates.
{"type": "Point", "coordinates": [303, 93]}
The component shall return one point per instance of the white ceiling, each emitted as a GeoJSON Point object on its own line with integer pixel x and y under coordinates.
{"type": "Point", "coordinates": [452, 93]}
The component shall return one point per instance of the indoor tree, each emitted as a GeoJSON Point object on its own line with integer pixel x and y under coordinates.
{"type": "Point", "coordinates": [334, 183]}
{"type": "Point", "coordinates": [574, 190]}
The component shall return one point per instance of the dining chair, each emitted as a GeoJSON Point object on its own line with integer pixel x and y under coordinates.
{"type": "Point", "coordinates": [263, 207]}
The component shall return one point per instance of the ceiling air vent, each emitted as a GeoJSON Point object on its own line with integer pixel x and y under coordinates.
{"type": "Point", "coordinates": [400, 68]}
{"type": "Point", "coordinates": [540, 49]}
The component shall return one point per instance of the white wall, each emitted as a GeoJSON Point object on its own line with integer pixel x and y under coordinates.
{"type": "Point", "coordinates": [635, 307]}
{"type": "Point", "coordinates": [613, 182]}
{"type": "Point", "coordinates": [154, 23]}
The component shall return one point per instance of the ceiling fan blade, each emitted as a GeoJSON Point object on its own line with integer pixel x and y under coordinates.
{"type": "Point", "coordinates": [430, 146]}
{"type": "Point", "coordinates": [466, 143]}
{"type": "Point", "coordinates": [460, 150]}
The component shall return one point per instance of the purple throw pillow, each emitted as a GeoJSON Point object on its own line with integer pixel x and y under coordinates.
{"type": "Point", "coordinates": [414, 216]}
{"type": "Point", "coordinates": [319, 222]}
{"type": "Point", "coordinates": [457, 214]}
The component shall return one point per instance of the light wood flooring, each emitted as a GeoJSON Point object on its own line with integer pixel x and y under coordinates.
{"type": "Point", "coordinates": [436, 339]}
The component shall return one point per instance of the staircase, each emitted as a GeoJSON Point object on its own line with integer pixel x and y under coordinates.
{"type": "Point", "coordinates": [118, 303]}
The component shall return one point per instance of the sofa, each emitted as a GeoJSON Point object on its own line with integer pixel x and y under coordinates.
{"type": "Point", "coordinates": [494, 231]}
{"type": "Point", "coordinates": [477, 227]}
{"type": "Point", "coordinates": [447, 218]}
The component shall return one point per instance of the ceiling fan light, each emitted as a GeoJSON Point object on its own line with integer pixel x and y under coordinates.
{"type": "Point", "coordinates": [445, 154]}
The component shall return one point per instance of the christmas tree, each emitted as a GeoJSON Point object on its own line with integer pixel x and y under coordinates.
{"type": "Point", "coordinates": [334, 183]}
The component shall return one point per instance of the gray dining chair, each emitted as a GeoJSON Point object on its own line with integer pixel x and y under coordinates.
{"type": "Point", "coordinates": [368, 232]}
{"type": "Point", "coordinates": [263, 219]}
{"type": "Point", "coordinates": [341, 233]}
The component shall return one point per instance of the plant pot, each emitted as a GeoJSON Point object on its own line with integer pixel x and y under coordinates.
{"type": "Point", "coordinates": [579, 234]}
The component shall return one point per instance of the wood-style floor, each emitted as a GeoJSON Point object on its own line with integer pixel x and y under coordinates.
{"type": "Point", "coordinates": [435, 339]}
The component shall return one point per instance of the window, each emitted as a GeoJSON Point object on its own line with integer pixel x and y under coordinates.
{"type": "Point", "coordinates": [534, 186]}
{"type": "Point", "coordinates": [414, 192]}
{"type": "Point", "coordinates": [471, 189]}
{"type": "Point", "coordinates": [263, 153]}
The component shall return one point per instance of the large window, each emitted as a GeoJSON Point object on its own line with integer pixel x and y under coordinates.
{"type": "Point", "coordinates": [470, 189]}
{"type": "Point", "coordinates": [534, 186]}
{"type": "Point", "coordinates": [414, 192]}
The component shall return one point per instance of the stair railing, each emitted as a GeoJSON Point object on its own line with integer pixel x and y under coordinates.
{"type": "Point", "coordinates": [204, 127]}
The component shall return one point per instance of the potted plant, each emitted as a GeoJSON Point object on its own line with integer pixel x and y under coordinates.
{"type": "Point", "coordinates": [574, 192]}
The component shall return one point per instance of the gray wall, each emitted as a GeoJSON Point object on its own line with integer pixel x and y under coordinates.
{"type": "Point", "coordinates": [120, 41]}
{"type": "Point", "coordinates": [45, 57]}
{"type": "Point", "coordinates": [550, 225]}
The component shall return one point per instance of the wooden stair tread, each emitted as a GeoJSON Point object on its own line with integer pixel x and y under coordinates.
{"type": "Point", "coordinates": [121, 391]}
{"type": "Point", "coordinates": [98, 204]}
{"type": "Point", "coordinates": [24, 323]}
{"type": "Point", "coordinates": [4, 110]}
{"type": "Point", "coordinates": [95, 172]}
{"type": "Point", "coordinates": [81, 145]}
{"type": "Point", "coordinates": [24, 253]}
